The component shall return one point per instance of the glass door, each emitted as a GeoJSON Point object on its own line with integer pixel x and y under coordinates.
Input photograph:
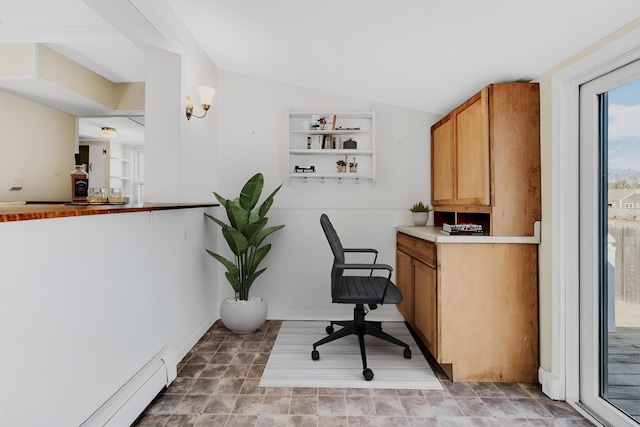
{"type": "Point", "coordinates": [610, 246]}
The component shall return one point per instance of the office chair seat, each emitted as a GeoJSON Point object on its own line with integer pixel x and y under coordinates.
{"type": "Point", "coordinates": [363, 290]}
{"type": "Point", "coordinates": [358, 289]}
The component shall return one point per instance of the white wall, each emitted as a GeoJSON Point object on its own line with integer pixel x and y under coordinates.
{"type": "Point", "coordinates": [89, 300]}
{"type": "Point", "coordinates": [252, 137]}
{"type": "Point", "coordinates": [180, 155]}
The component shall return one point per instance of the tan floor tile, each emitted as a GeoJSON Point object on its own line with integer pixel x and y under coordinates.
{"type": "Point", "coordinates": [302, 421]}
{"type": "Point", "coordinates": [182, 421]}
{"type": "Point", "coordinates": [220, 404]}
{"type": "Point", "coordinates": [360, 405]}
{"type": "Point", "coordinates": [271, 420]}
{"type": "Point", "coordinates": [332, 405]}
{"type": "Point", "coordinates": [207, 420]}
{"type": "Point", "coordinates": [229, 386]}
{"type": "Point", "coordinates": [213, 371]}
{"type": "Point", "coordinates": [305, 391]}
{"type": "Point", "coordinates": [242, 420]}
{"type": "Point", "coordinates": [303, 405]}
{"type": "Point", "coordinates": [192, 404]}
{"type": "Point", "coordinates": [363, 421]}
{"type": "Point", "coordinates": [248, 404]}
{"type": "Point", "coordinates": [203, 386]}
{"type": "Point", "coordinates": [252, 386]}
{"type": "Point", "coordinates": [273, 404]}
{"type": "Point", "coordinates": [333, 421]}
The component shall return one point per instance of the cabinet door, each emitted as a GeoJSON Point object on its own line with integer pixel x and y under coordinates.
{"type": "Point", "coordinates": [425, 314]}
{"type": "Point", "coordinates": [472, 151]}
{"type": "Point", "coordinates": [442, 162]}
{"type": "Point", "coordinates": [404, 282]}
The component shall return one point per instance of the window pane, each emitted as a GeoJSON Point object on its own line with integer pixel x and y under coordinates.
{"type": "Point", "coordinates": [621, 381]}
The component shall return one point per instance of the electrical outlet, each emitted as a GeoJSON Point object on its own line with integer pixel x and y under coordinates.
{"type": "Point", "coordinates": [15, 184]}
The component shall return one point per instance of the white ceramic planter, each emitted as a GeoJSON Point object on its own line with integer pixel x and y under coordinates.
{"type": "Point", "coordinates": [420, 218]}
{"type": "Point", "coordinates": [241, 316]}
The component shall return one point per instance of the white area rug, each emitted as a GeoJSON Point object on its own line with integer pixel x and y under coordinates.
{"type": "Point", "coordinates": [340, 365]}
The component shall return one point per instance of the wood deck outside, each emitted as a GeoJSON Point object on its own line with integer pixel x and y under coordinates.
{"type": "Point", "coordinates": [624, 371]}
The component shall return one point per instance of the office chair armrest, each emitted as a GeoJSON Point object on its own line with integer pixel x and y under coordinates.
{"type": "Point", "coordinates": [365, 267]}
{"type": "Point", "coordinates": [364, 250]}
{"type": "Point", "coordinates": [360, 250]}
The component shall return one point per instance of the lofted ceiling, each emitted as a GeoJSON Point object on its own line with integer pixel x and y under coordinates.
{"type": "Point", "coordinates": [428, 55]}
{"type": "Point", "coordinates": [425, 55]}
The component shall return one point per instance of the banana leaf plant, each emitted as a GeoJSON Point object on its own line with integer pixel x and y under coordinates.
{"type": "Point", "coordinates": [245, 234]}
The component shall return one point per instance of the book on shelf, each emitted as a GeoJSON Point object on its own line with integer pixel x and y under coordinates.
{"type": "Point", "coordinates": [462, 229]}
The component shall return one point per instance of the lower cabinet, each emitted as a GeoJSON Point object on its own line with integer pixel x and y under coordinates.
{"type": "Point", "coordinates": [404, 282]}
{"type": "Point", "coordinates": [416, 279]}
{"type": "Point", "coordinates": [425, 297]}
{"type": "Point", "coordinates": [473, 305]}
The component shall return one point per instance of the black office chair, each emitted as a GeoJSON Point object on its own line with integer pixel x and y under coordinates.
{"type": "Point", "coordinates": [359, 290]}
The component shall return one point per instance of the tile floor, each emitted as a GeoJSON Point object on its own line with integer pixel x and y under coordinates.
{"type": "Point", "coordinates": [218, 385]}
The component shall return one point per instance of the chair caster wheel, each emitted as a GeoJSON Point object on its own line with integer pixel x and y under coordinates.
{"type": "Point", "coordinates": [368, 374]}
{"type": "Point", "coordinates": [407, 353]}
{"type": "Point", "coordinates": [329, 329]}
{"type": "Point", "coordinates": [315, 355]}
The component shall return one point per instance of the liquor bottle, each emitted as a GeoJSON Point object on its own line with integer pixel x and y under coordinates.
{"type": "Point", "coordinates": [79, 182]}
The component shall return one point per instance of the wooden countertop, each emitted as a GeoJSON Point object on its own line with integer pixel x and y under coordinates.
{"type": "Point", "coordinates": [434, 234]}
{"type": "Point", "coordinates": [22, 211]}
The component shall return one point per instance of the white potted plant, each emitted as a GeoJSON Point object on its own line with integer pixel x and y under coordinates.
{"type": "Point", "coordinates": [245, 235]}
{"type": "Point", "coordinates": [420, 213]}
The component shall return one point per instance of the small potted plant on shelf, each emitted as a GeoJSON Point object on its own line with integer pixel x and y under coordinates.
{"type": "Point", "coordinates": [245, 235]}
{"type": "Point", "coordinates": [353, 166]}
{"type": "Point", "coordinates": [420, 213]}
{"type": "Point", "coordinates": [341, 165]}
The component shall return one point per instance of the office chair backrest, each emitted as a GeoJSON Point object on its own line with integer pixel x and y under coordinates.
{"type": "Point", "coordinates": [338, 254]}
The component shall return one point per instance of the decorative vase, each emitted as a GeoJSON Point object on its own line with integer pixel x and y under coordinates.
{"type": "Point", "coordinates": [420, 218]}
{"type": "Point", "coordinates": [243, 317]}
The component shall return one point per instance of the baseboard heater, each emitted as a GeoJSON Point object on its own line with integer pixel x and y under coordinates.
{"type": "Point", "coordinates": [129, 401]}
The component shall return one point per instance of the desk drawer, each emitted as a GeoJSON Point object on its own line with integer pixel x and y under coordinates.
{"type": "Point", "coordinates": [419, 249]}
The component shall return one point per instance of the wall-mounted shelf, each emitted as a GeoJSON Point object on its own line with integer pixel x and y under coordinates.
{"type": "Point", "coordinates": [322, 147]}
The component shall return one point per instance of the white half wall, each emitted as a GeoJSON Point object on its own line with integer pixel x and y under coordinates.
{"type": "Point", "coordinates": [86, 302]}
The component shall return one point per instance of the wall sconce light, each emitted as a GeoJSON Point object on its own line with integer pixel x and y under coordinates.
{"type": "Point", "coordinates": [108, 132]}
{"type": "Point", "coordinates": [206, 97]}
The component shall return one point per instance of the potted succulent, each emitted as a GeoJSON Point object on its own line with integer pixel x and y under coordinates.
{"type": "Point", "coordinates": [245, 235]}
{"type": "Point", "coordinates": [420, 213]}
{"type": "Point", "coordinates": [353, 166]}
{"type": "Point", "coordinates": [341, 165]}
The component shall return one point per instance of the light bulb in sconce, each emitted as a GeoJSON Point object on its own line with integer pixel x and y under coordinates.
{"type": "Point", "coordinates": [206, 99]}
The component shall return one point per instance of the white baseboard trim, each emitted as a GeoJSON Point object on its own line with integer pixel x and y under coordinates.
{"type": "Point", "coordinates": [550, 384]}
{"type": "Point", "coordinates": [195, 337]}
{"type": "Point", "coordinates": [129, 401]}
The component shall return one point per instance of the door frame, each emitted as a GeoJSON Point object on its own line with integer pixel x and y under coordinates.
{"type": "Point", "coordinates": [565, 105]}
{"type": "Point", "coordinates": [593, 240]}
